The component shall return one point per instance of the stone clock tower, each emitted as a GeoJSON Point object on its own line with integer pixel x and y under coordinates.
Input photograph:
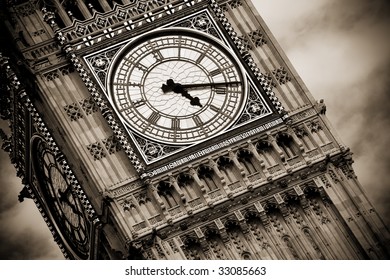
{"type": "Point", "coordinates": [174, 130]}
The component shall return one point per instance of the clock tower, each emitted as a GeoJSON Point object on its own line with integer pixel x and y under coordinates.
{"type": "Point", "coordinates": [175, 130]}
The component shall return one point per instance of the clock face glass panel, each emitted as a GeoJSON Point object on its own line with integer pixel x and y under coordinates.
{"type": "Point", "coordinates": [65, 206]}
{"type": "Point", "coordinates": [177, 87]}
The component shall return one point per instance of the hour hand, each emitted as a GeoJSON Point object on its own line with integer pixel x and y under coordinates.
{"type": "Point", "coordinates": [63, 197]}
{"type": "Point", "coordinates": [179, 88]}
{"type": "Point", "coordinates": [169, 86]}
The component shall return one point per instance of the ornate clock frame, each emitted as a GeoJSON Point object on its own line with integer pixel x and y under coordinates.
{"type": "Point", "coordinates": [61, 201]}
{"type": "Point", "coordinates": [260, 107]}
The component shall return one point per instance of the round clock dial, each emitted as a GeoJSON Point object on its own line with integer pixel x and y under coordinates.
{"type": "Point", "coordinates": [177, 87]}
{"type": "Point", "coordinates": [66, 208]}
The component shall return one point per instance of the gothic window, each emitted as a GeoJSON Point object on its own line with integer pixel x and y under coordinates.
{"type": "Point", "coordinates": [313, 243]}
{"type": "Point", "coordinates": [318, 133]}
{"type": "Point", "coordinates": [186, 184]}
{"type": "Point", "coordinates": [166, 191]}
{"type": "Point", "coordinates": [287, 144]}
{"type": "Point", "coordinates": [216, 244]}
{"type": "Point", "coordinates": [228, 169]}
{"type": "Point", "coordinates": [193, 249]}
{"type": "Point", "coordinates": [209, 178]}
{"type": "Point", "coordinates": [248, 161]}
{"type": "Point", "coordinates": [290, 247]}
{"type": "Point", "coordinates": [73, 10]}
{"type": "Point", "coordinates": [146, 205]}
{"type": "Point", "coordinates": [128, 206]}
{"type": "Point", "coordinates": [266, 150]}
{"type": "Point", "coordinates": [302, 134]}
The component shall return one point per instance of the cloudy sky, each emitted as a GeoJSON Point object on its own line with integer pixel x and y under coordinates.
{"type": "Point", "coordinates": [341, 49]}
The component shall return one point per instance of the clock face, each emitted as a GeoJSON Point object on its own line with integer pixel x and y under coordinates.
{"type": "Point", "coordinates": [65, 206]}
{"type": "Point", "coordinates": [177, 87]}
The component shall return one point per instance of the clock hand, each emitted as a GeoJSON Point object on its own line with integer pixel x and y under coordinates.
{"type": "Point", "coordinates": [178, 88]}
{"type": "Point", "coordinates": [63, 197]}
{"type": "Point", "coordinates": [170, 87]}
{"type": "Point", "coordinates": [211, 84]}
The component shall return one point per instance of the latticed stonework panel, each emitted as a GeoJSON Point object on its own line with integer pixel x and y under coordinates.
{"type": "Point", "coordinates": [257, 37]}
{"type": "Point", "coordinates": [281, 75]}
{"type": "Point", "coordinates": [88, 105]}
{"type": "Point", "coordinates": [104, 147]}
{"type": "Point", "coordinates": [235, 3]}
{"type": "Point", "coordinates": [74, 111]}
{"type": "Point", "coordinates": [55, 74]}
{"type": "Point", "coordinates": [77, 110]}
{"type": "Point", "coordinates": [112, 144]}
{"type": "Point", "coordinates": [97, 150]}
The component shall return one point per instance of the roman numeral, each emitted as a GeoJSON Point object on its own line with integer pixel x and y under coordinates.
{"type": "Point", "coordinates": [197, 120]}
{"type": "Point", "coordinates": [154, 117]}
{"type": "Point", "coordinates": [175, 124]}
{"type": "Point", "coordinates": [158, 55]}
{"type": "Point", "coordinates": [214, 108]}
{"type": "Point", "coordinates": [138, 65]}
{"type": "Point", "coordinates": [220, 90]}
{"type": "Point", "coordinates": [138, 103]}
{"type": "Point", "coordinates": [215, 72]}
{"type": "Point", "coordinates": [200, 58]}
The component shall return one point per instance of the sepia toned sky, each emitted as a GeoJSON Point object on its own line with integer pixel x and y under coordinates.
{"type": "Point", "coordinates": [341, 50]}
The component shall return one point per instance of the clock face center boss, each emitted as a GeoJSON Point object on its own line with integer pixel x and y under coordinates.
{"type": "Point", "coordinates": [177, 86]}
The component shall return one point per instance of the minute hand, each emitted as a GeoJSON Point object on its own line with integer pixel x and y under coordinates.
{"type": "Point", "coordinates": [210, 84]}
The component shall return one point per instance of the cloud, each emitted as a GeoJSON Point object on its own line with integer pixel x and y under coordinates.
{"type": "Point", "coordinates": [24, 234]}
{"type": "Point", "coordinates": [341, 49]}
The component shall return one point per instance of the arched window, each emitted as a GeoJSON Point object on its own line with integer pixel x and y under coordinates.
{"type": "Point", "coordinates": [303, 135]}
{"type": "Point", "coordinates": [228, 169]}
{"type": "Point", "coordinates": [266, 150]}
{"type": "Point", "coordinates": [208, 176]}
{"type": "Point", "coordinates": [146, 205]}
{"type": "Point", "coordinates": [318, 133]}
{"type": "Point", "coordinates": [134, 215]}
{"type": "Point", "coordinates": [166, 191]}
{"type": "Point", "coordinates": [187, 185]}
{"type": "Point", "coordinates": [287, 144]}
{"type": "Point", "coordinates": [248, 161]}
